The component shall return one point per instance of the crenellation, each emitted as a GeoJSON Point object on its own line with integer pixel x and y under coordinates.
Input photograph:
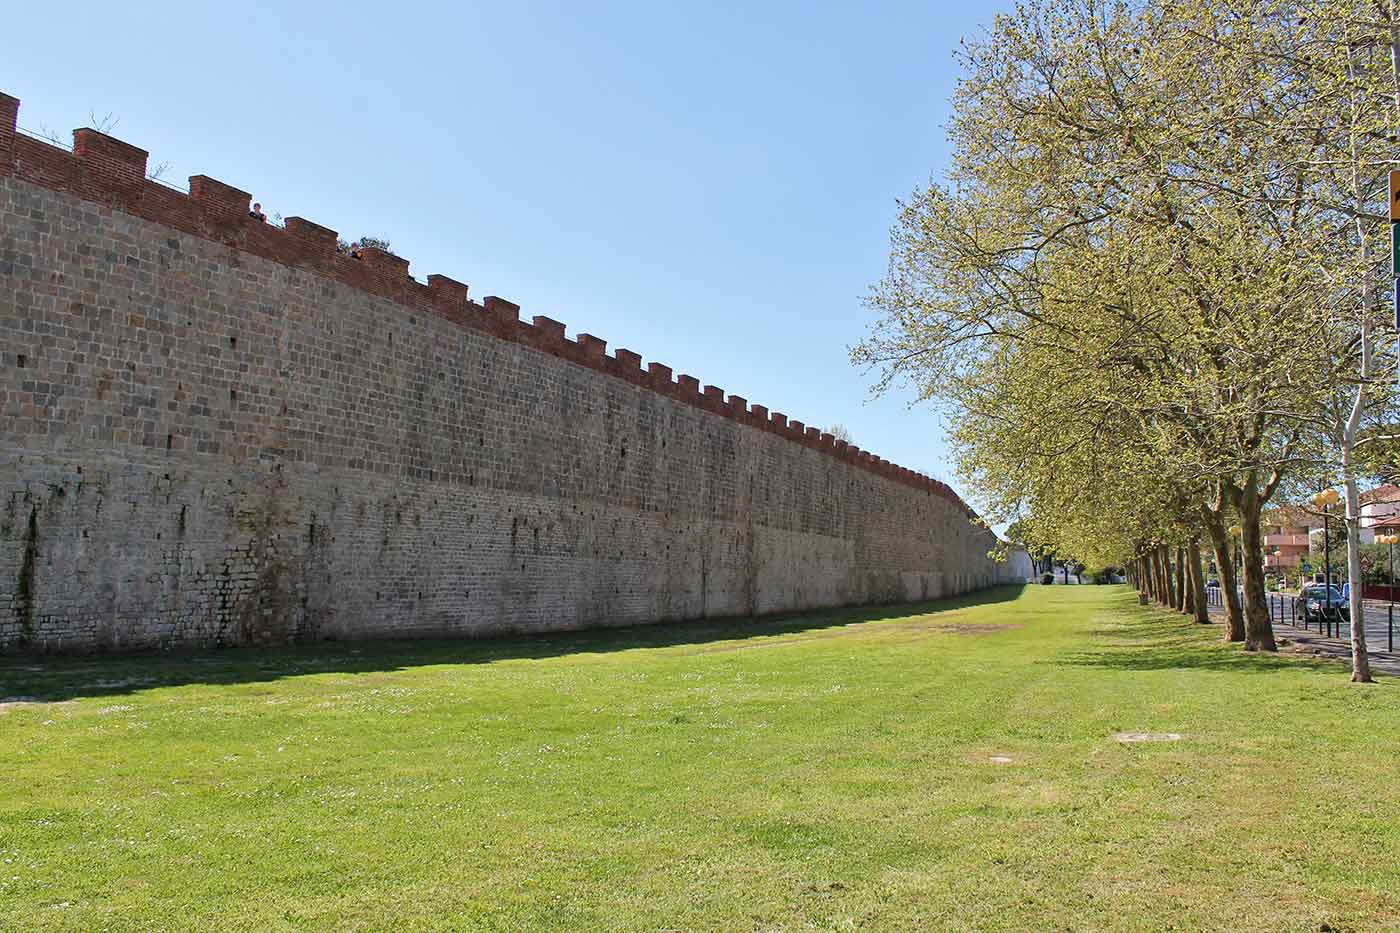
{"type": "Point", "coordinates": [450, 299]}
{"type": "Point", "coordinates": [506, 312]}
{"type": "Point", "coordinates": [226, 204]}
{"type": "Point", "coordinates": [592, 347]}
{"type": "Point", "coordinates": [110, 158]}
{"type": "Point", "coordinates": [106, 169]}
{"type": "Point", "coordinates": [9, 125]}
{"type": "Point", "coordinates": [550, 331]}
{"type": "Point", "coordinates": [323, 239]}
{"type": "Point", "coordinates": [383, 264]}
{"type": "Point", "coordinates": [260, 439]}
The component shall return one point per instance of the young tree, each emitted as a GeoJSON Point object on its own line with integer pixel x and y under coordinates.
{"type": "Point", "coordinates": [840, 432]}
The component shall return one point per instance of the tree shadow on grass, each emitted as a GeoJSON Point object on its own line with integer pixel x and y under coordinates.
{"type": "Point", "coordinates": [1143, 640]}
{"type": "Point", "coordinates": [48, 679]}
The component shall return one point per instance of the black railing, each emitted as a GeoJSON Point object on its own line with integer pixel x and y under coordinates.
{"type": "Point", "coordinates": [1287, 609]}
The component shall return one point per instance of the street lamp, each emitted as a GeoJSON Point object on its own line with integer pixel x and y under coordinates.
{"type": "Point", "coordinates": [1390, 541]}
{"type": "Point", "coordinates": [1325, 500]}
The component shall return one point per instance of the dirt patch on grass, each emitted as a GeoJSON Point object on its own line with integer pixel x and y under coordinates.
{"type": "Point", "coordinates": [749, 645]}
{"type": "Point", "coordinates": [968, 628]}
{"type": "Point", "coordinates": [1131, 737]}
{"type": "Point", "coordinates": [9, 703]}
{"type": "Point", "coordinates": [935, 627]}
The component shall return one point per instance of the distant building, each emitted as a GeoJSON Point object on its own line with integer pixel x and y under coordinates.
{"type": "Point", "coordinates": [1286, 530]}
{"type": "Point", "coordinates": [1380, 510]}
{"type": "Point", "coordinates": [1290, 531]}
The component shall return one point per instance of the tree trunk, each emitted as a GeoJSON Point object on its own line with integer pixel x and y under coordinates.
{"type": "Point", "coordinates": [1360, 660]}
{"type": "Point", "coordinates": [1220, 546]}
{"type": "Point", "coordinates": [1183, 588]}
{"type": "Point", "coordinates": [1200, 609]}
{"type": "Point", "coordinates": [1230, 588]}
{"type": "Point", "coordinates": [1258, 627]}
{"type": "Point", "coordinates": [1164, 554]}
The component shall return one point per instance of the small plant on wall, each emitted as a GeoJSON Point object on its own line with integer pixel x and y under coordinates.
{"type": "Point", "coordinates": [364, 242]}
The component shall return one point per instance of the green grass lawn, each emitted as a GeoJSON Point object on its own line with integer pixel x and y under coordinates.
{"type": "Point", "coordinates": [831, 770]}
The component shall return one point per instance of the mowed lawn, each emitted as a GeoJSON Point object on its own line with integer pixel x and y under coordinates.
{"type": "Point", "coordinates": [948, 765]}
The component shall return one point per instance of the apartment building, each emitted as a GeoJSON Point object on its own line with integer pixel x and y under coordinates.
{"type": "Point", "coordinates": [1380, 510]}
{"type": "Point", "coordinates": [1286, 531]}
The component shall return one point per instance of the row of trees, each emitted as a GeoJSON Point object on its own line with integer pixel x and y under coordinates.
{"type": "Point", "coordinates": [1153, 289]}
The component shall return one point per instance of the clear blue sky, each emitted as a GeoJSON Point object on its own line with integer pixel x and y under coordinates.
{"type": "Point", "coordinates": [710, 185]}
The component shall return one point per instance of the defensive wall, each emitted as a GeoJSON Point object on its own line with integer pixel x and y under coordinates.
{"type": "Point", "coordinates": [215, 430]}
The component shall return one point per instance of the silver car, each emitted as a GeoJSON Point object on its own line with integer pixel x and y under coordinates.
{"type": "Point", "coordinates": [1320, 601]}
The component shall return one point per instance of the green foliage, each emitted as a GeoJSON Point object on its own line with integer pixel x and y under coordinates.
{"type": "Point", "coordinates": [363, 242]}
{"type": "Point", "coordinates": [1375, 560]}
{"type": "Point", "coordinates": [1380, 453]}
{"type": "Point", "coordinates": [1140, 307]}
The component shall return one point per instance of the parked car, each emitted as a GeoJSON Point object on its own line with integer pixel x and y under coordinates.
{"type": "Point", "coordinates": [1318, 600]}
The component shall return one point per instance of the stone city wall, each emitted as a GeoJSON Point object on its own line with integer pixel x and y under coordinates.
{"type": "Point", "coordinates": [218, 431]}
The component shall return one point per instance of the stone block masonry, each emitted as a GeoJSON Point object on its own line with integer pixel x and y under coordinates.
{"type": "Point", "coordinates": [218, 431]}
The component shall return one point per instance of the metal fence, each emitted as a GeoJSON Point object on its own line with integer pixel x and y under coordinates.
{"type": "Point", "coordinates": [1287, 609]}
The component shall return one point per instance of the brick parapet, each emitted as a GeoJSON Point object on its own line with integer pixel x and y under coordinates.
{"type": "Point", "coordinates": [111, 172]}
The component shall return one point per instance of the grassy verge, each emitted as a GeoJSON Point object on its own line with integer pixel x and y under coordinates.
{"type": "Point", "coordinates": [946, 765]}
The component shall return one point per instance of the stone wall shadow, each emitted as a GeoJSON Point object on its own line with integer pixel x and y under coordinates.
{"type": "Point", "coordinates": [47, 679]}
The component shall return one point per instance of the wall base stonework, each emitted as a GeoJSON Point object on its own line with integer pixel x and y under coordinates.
{"type": "Point", "coordinates": [202, 446]}
{"type": "Point", "coordinates": [152, 552]}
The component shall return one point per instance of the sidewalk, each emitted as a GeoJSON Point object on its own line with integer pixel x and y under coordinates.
{"type": "Point", "coordinates": [1305, 642]}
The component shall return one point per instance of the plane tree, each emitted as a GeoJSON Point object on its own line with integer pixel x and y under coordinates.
{"type": "Point", "coordinates": [1113, 213]}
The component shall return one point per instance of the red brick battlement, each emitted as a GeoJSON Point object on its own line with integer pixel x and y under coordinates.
{"type": "Point", "coordinates": [113, 173]}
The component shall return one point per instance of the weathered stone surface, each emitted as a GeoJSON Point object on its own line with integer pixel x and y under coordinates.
{"type": "Point", "coordinates": [200, 446]}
